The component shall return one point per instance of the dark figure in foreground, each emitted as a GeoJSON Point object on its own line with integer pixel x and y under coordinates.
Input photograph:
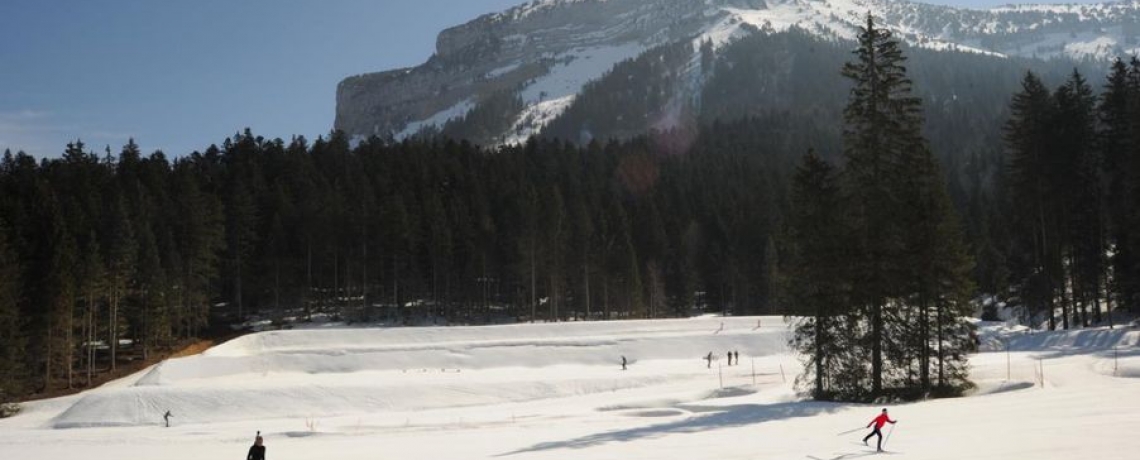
{"type": "Point", "coordinates": [879, 421]}
{"type": "Point", "coordinates": [257, 450]}
{"type": "Point", "coordinates": [623, 362]}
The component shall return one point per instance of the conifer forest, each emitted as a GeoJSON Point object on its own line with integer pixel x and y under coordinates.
{"type": "Point", "coordinates": [876, 223]}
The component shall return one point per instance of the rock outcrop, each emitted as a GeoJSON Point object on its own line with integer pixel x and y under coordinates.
{"type": "Point", "coordinates": [517, 49]}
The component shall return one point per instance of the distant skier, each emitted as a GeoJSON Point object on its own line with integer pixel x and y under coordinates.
{"type": "Point", "coordinates": [730, 358]}
{"type": "Point", "coordinates": [709, 359]}
{"type": "Point", "coordinates": [736, 357]}
{"type": "Point", "coordinates": [166, 417]}
{"type": "Point", "coordinates": [623, 363]}
{"type": "Point", "coordinates": [879, 421]}
{"type": "Point", "coordinates": [257, 450]}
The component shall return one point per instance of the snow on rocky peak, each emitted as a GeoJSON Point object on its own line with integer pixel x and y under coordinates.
{"type": "Point", "coordinates": [546, 50]}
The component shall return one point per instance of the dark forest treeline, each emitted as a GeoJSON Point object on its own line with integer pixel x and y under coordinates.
{"type": "Point", "coordinates": [1074, 196]}
{"type": "Point", "coordinates": [106, 246]}
{"type": "Point", "coordinates": [96, 247]}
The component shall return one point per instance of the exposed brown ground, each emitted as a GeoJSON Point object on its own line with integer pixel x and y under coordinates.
{"type": "Point", "coordinates": [125, 368]}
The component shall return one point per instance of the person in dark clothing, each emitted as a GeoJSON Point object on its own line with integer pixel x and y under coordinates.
{"type": "Point", "coordinates": [737, 353]}
{"type": "Point", "coordinates": [709, 359]}
{"type": "Point", "coordinates": [879, 421]}
{"type": "Point", "coordinates": [166, 417]}
{"type": "Point", "coordinates": [257, 450]}
{"type": "Point", "coordinates": [623, 362]}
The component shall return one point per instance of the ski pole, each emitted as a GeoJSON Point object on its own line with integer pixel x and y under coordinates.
{"type": "Point", "coordinates": [885, 441]}
{"type": "Point", "coordinates": [850, 431]}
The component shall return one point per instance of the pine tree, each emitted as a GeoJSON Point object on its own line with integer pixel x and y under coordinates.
{"type": "Point", "coordinates": [882, 122]}
{"type": "Point", "coordinates": [1081, 195]}
{"type": "Point", "coordinates": [820, 288]}
{"type": "Point", "coordinates": [1116, 141]}
{"type": "Point", "coordinates": [13, 372]}
{"type": "Point", "coordinates": [1027, 135]}
{"type": "Point", "coordinates": [910, 261]}
{"type": "Point", "coordinates": [241, 238]}
{"type": "Point", "coordinates": [121, 264]}
{"type": "Point", "coordinates": [92, 290]}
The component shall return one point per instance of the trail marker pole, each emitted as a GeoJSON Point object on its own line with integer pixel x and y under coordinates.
{"type": "Point", "coordinates": [720, 372]}
{"type": "Point", "coordinates": [782, 375]}
{"type": "Point", "coordinates": [1008, 366]}
{"type": "Point", "coordinates": [753, 371]}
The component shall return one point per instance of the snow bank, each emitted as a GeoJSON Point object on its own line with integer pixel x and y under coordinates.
{"type": "Point", "coordinates": [330, 372]}
{"type": "Point", "coordinates": [996, 336]}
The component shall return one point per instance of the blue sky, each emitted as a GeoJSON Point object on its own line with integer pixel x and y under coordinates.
{"type": "Point", "coordinates": [178, 75]}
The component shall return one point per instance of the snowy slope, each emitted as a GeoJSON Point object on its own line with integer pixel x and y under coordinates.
{"type": "Point", "coordinates": [556, 391]}
{"type": "Point", "coordinates": [548, 50]}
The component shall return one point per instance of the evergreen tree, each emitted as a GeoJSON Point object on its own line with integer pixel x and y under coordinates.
{"type": "Point", "coordinates": [903, 225]}
{"type": "Point", "coordinates": [1081, 196]}
{"type": "Point", "coordinates": [13, 372]}
{"type": "Point", "coordinates": [121, 265]}
{"type": "Point", "coordinates": [1028, 137]}
{"type": "Point", "coordinates": [882, 122]}
{"type": "Point", "coordinates": [1116, 142]}
{"type": "Point", "coordinates": [820, 289]}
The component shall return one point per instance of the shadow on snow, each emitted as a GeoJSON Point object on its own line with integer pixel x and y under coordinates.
{"type": "Point", "coordinates": [708, 418]}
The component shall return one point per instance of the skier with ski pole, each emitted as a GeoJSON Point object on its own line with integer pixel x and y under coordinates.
{"type": "Point", "coordinates": [257, 450]}
{"type": "Point", "coordinates": [878, 422]}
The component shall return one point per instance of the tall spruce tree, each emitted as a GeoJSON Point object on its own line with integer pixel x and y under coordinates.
{"type": "Point", "coordinates": [12, 369]}
{"type": "Point", "coordinates": [1028, 138]}
{"type": "Point", "coordinates": [882, 121]}
{"type": "Point", "coordinates": [902, 223]}
{"type": "Point", "coordinates": [1116, 141]}
{"type": "Point", "coordinates": [1127, 263]}
{"type": "Point", "coordinates": [1081, 196]}
{"type": "Point", "coordinates": [820, 288]}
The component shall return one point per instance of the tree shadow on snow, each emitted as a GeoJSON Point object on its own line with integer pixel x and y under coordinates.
{"type": "Point", "coordinates": [1057, 344]}
{"type": "Point", "coordinates": [708, 418]}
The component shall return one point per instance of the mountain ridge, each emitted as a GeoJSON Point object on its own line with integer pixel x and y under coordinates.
{"type": "Point", "coordinates": [546, 51]}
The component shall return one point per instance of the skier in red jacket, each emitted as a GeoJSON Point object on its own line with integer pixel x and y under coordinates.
{"type": "Point", "coordinates": [879, 421]}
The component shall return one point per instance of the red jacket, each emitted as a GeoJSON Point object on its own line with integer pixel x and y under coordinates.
{"type": "Point", "coordinates": [881, 420]}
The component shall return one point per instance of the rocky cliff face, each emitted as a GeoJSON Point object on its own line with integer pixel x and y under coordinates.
{"type": "Point", "coordinates": [508, 51]}
{"type": "Point", "coordinates": [547, 49]}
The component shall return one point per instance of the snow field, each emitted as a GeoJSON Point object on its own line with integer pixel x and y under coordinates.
{"type": "Point", "coordinates": [556, 391]}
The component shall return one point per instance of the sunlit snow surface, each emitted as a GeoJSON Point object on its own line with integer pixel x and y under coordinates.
{"type": "Point", "coordinates": [557, 392]}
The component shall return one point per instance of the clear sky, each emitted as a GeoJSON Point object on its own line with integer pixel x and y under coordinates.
{"type": "Point", "coordinates": [178, 75]}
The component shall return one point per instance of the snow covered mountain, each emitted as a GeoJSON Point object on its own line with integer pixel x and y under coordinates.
{"type": "Point", "coordinates": [545, 51]}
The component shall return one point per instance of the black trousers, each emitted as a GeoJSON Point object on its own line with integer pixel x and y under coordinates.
{"type": "Point", "coordinates": [875, 433]}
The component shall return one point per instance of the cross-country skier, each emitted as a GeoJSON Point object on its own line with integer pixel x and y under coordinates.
{"type": "Point", "coordinates": [623, 362]}
{"type": "Point", "coordinates": [879, 421]}
{"type": "Point", "coordinates": [257, 450]}
{"type": "Point", "coordinates": [166, 417]}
